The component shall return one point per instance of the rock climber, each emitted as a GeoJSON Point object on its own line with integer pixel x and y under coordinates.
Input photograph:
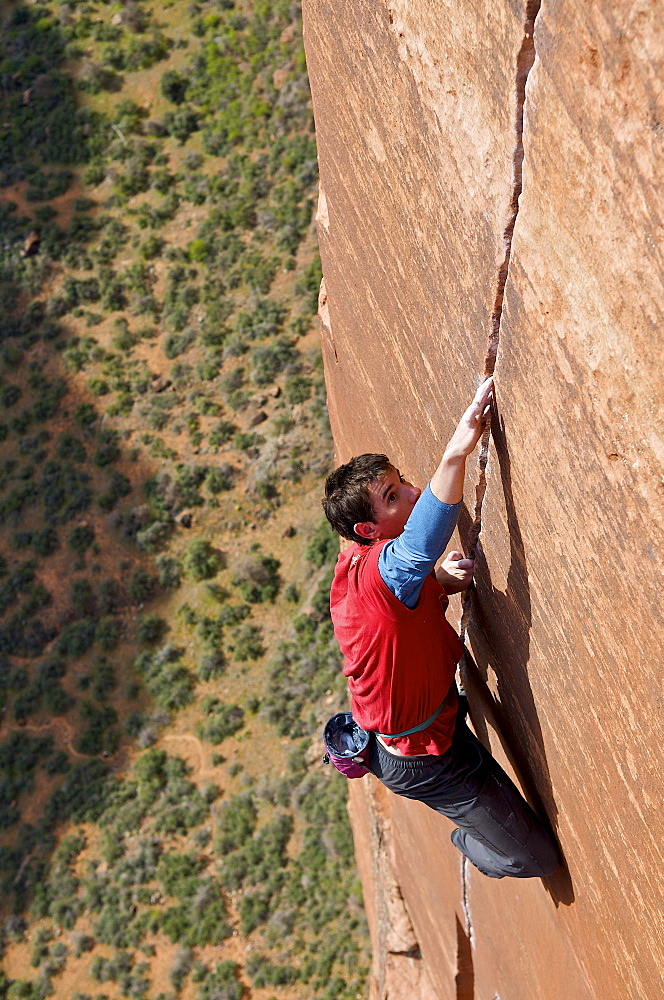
{"type": "Point", "coordinates": [388, 610]}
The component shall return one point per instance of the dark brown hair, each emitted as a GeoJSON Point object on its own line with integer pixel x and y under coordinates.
{"type": "Point", "coordinates": [346, 502]}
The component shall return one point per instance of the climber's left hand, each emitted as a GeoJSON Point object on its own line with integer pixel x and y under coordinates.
{"type": "Point", "coordinates": [455, 572]}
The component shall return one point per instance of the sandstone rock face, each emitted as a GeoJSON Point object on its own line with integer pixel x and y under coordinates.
{"type": "Point", "coordinates": [463, 229]}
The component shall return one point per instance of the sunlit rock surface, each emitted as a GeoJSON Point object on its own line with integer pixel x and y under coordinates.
{"type": "Point", "coordinates": [444, 254]}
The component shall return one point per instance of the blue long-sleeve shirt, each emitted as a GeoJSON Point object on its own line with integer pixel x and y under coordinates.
{"type": "Point", "coordinates": [406, 561]}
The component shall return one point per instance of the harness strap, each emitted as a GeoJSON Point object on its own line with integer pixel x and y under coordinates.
{"type": "Point", "coordinates": [415, 729]}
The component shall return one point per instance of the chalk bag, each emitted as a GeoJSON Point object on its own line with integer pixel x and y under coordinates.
{"type": "Point", "coordinates": [346, 745]}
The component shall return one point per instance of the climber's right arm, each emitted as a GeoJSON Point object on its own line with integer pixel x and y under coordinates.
{"type": "Point", "coordinates": [447, 481]}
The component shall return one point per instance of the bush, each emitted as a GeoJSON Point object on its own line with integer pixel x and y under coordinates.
{"type": "Point", "coordinates": [108, 449]}
{"type": "Point", "coordinates": [323, 546]}
{"type": "Point", "coordinates": [254, 910]}
{"type": "Point", "coordinates": [77, 639]}
{"type": "Point", "coordinates": [236, 823]}
{"type": "Point", "coordinates": [220, 479]}
{"type": "Point", "coordinates": [169, 571]}
{"type": "Point", "coordinates": [264, 972]}
{"type": "Point", "coordinates": [174, 86]}
{"type": "Point", "coordinates": [246, 642]}
{"type": "Point", "coordinates": [10, 395]}
{"type": "Point", "coordinates": [298, 389]}
{"type": "Point", "coordinates": [258, 579]}
{"type": "Point", "coordinates": [221, 720]}
{"type": "Point", "coordinates": [103, 679]}
{"type": "Point", "coordinates": [109, 596]}
{"type": "Point", "coordinates": [150, 628]}
{"type": "Point", "coordinates": [70, 448]}
{"type": "Point", "coordinates": [273, 358]}
{"type": "Point", "coordinates": [222, 983]}
{"type": "Point", "coordinates": [169, 683]}
{"type": "Point", "coordinates": [99, 734]}
{"type": "Point", "coordinates": [265, 321]}
{"type": "Point", "coordinates": [201, 560]}
{"type": "Point", "coordinates": [107, 633]}
{"type": "Point", "coordinates": [141, 585]}
{"type": "Point", "coordinates": [181, 968]}
{"type": "Point", "coordinates": [211, 665]}
{"type": "Point", "coordinates": [199, 251]}
{"type": "Point", "coordinates": [175, 344]}
{"type": "Point", "coordinates": [221, 433]}
{"type": "Point", "coordinates": [181, 123]}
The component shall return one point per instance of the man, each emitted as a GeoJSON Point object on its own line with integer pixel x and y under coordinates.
{"type": "Point", "coordinates": [388, 610]}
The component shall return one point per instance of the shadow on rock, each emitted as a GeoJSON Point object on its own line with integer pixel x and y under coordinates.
{"type": "Point", "coordinates": [499, 630]}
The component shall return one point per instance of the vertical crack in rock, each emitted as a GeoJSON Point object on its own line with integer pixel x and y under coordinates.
{"type": "Point", "coordinates": [464, 900]}
{"type": "Point", "coordinates": [524, 64]}
{"type": "Point", "coordinates": [465, 974]}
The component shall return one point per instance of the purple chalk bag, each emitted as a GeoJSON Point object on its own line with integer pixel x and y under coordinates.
{"type": "Point", "coordinates": [346, 745]}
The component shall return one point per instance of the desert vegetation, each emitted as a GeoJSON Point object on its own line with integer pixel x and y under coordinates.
{"type": "Point", "coordinates": [166, 653]}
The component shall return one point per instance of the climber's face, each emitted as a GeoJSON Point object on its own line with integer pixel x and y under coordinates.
{"type": "Point", "coordinates": [392, 498]}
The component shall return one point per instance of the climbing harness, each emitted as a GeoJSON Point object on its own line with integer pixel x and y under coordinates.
{"type": "Point", "coordinates": [415, 729]}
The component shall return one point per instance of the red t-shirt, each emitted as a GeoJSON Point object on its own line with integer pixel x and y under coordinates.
{"type": "Point", "coordinates": [400, 663]}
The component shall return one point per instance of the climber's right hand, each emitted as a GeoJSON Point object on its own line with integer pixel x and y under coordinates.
{"type": "Point", "coordinates": [473, 423]}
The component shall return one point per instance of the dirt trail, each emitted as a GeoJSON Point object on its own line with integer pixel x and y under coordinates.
{"type": "Point", "coordinates": [66, 734]}
{"type": "Point", "coordinates": [198, 770]}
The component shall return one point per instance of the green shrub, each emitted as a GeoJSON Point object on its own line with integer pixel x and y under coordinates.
{"type": "Point", "coordinates": [199, 251]}
{"type": "Point", "coordinates": [141, 585]}
{"type": "Point", "coordinates": [76, 639]}
{"type": "Point", "coordinates": [108, 449]}
{"type": "Point", "coordinates": [103, 678]}
{"type": "Point", "coordinates": [220, 722]}
{"type": "Point", "coordinates": [10, 395]}
{"type": "Point", "coordinates": [81, 538]}
{"type": "Point", "coordinates": [70, 448]}
{"type": "Point", "coordinates": [298, 389]}
{"type": "Point", "coordinates": [182, 122]}
{"type": "Point", "coordinates": [264, 972]}
{"type": "Point", "coordinates": [99, 733]}
{"type": "Point", "coordinates": [150, 628]}
{"type": "Point", "coordinates": [265, 320]}
{"type": "Point", "coordinates": [236, 823]}
{"type": "Point", "coordinates": [222, 983]}
{"type": "Point", "coordinates": [175, 344]}
{"type": "Point", "coordinates": [201, 560]}
{"type": "Point", "coordinates": [107, 633]}
{"type": "Point", "coordinates": [270, 359]}
{"type": "Point", "coordinates": [220, 478]}
{"type": "Point", "coordinates": [45, 542]}
{"type": "Point", "coordinates": [211, 665]}
{"type": "Point", "coordinates": [254, 910]}
{"type": "Point", "coordinates": [246, 642]}
{"type": "Point", "coordinates": [174, 86]}
{"type": "Point", "coordinates": [246, 441]}
{"type": "Point", "coordinates": [323, 546]}
{"type": "Point", "coordinates": [83, 600]}
{"type": "Point", "coordinates": [210, 631]}
{"type": "Point", "coordinates": [170, 684]}
{"type": "Point", "coordinates": [98, 386]}
{"type": "Point", "coordinates": [257, 578]}
{"type": "Point", "coordinates": [170, 571]}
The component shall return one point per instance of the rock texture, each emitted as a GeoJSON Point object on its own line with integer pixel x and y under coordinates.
{"type": "Point", "coordinates": [462, 229]}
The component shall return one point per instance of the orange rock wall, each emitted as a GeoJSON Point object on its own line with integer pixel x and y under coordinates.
{"type": "Point", "coordinates": [444, 254]}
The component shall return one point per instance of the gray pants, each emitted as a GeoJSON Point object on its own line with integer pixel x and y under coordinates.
{"type": "Point", "coordinates": [497, 830]}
